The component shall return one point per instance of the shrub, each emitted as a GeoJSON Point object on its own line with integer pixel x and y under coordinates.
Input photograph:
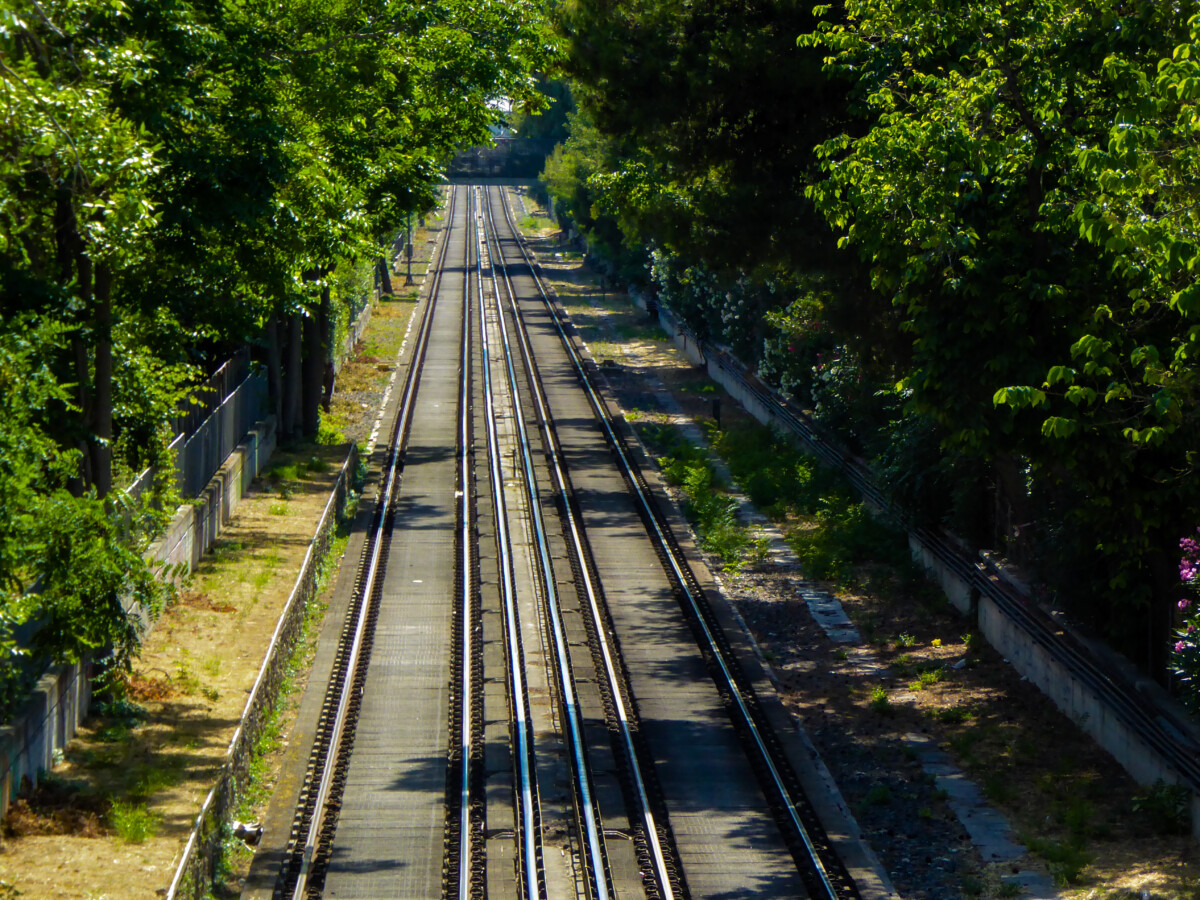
{"type": "Point", "coordinates": [1065, 861]}
{"type": "Point", "coordinates": [1166, 807]}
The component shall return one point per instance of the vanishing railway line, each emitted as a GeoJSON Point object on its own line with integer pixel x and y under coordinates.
{"type": "Point", "coordinates": [516, 707]}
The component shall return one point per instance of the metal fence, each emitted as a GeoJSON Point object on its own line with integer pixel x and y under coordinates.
{"type": "Point", "coordinates": [199, 455]}
{"type": "Point", "coordinates": [210, 394]}
{"type": "Point", "coordinates": [202, 855]}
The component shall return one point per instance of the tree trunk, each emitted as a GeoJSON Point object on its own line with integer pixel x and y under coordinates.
{"type": "Point", "coordinates": [274, 371]}
{"type": "Point", "coordinates": [78, 484]}
{"type": "Point", "coordinates": [102, 427]}
{"type": "Point", "coordinates": [74, 263]}
{"type": "Point", "coordinates": [315, 328]}
{"type": "Point", "coordinates": [291, 379]}
{"type": "Point", "coordinates": [328, 373]}
{"type": "Point", "coordinates": [385, 279]}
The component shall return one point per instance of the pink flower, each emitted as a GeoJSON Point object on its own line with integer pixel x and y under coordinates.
{"type": "Point", "coordinates": [1184, 604]}
{"type": "Point", "coordinates": [1191, 629]}
{"type": "Point", "coordinates": [1179, 646]}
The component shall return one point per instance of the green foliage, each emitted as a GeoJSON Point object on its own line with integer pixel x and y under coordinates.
{"type": "Point", "coordinates": [712, 512]}
{"type": "Point", "coordinates": [925, 679]}
{"type": "Point", "coordinates": [173, 177]}
{"type": "Point", "coordinates": [953, 715]}
{"type": "Point", "coordinates": [702, 166]}
{"type": "Point", "coordinates": [133, 822]}
{"type": "Point", "coordinates": [1020, 193]}
{"type": "Point", "coordinates": [846, 535]}
{"type": "Point", "coordinates": [1066, 861]}
{"type": "Point", "coordinates": [880, 701]}
{"type": "Point", "coordinates": [879, 795]}
{"type": "Point", "coordinates": [1167, 808]}
{"type": "Point", "coordinates": [771, 470]}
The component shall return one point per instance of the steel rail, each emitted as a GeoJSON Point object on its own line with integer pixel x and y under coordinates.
{"type": "Point", "coordinates": [370, 578]}
{"type": "Point", "coordinates": [653, 518]}
{"type": "Point", "coordinates": [523, 752]}
{"type": "Point", "coordinates": [464, 492]}
{"type": "Point", "coordinates": [574, 529]}
{"type": "Point", "coordinates": [592, 830]}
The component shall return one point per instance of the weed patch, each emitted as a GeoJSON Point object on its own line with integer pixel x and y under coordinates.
{"type": "Point", "coordinates": [1165, 807]}
{"type": "Point", "coordinates": [1066, 861]}
{"type": "Point", "coordinates": [712, 512]}
{"type": "Point", "coordinates": [132, 822]}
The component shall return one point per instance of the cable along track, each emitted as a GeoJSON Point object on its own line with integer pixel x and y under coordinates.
{"type": "Point", "coordinates": [816, 857]}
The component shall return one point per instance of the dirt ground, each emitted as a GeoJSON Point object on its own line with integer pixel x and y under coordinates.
{"type": "Point", "coordinates": [110, 821]}
{"type": "Point", "coordinates": [1062, 793]}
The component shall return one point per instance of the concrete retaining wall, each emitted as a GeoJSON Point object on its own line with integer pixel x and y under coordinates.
{"type": "Point", "coordinates": [35, 739]}
{"type": "Point", "coordinates": [197, 524]}
{"type": "Point", "coordinates": [31, 744]}
{"type": "Point", "coordinates": [1069, 693]}
{"type": "Point", "coordinates": [353, 335]}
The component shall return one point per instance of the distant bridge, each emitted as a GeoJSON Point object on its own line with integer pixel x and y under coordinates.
{"type": "Point", "coordinates": [519, 160]}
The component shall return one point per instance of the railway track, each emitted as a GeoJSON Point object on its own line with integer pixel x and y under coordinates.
{"type": "Point", "coordinates": [484, 730]}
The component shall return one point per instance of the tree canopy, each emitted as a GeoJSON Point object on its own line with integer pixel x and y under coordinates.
{"type": "Point", "coordinates": [970, 226]}
{"type": "Point", "coordinates": [179, 178]}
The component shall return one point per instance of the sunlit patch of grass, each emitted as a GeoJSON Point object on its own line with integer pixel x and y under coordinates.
{"type": "Point", "coordinates": [132, 822]}
{"type": "Point", "coordinates": [602, 350]}
{"type": "Point", "coordinates": [159, 773]}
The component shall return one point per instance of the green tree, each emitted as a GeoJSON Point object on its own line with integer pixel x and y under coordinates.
{"type": "Point", "coordinates": [178, 177]}
{"type": "Point", "coordinates": [962, 199]}
{"type": "Point", "coordinates": [717, 111]}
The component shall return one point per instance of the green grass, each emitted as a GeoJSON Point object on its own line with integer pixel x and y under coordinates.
{"type": "Point", "coordinates": [1066, 861]}
{"type": "Point", "coordinates": [289, 472]}
{"type": "Point", "coordinates": [133, 822]}
{"type": "Point", "coordinates": [712, 512]}
{"type": "Point", "coordinates": [630, 331]}
{"type": "Point", "coordinates": [879, 795]}
{"type": "Point", "coordinates": [880, 701]}
{"type": "Point", "coordinates": [165, 772]}
{"type": "Point", "coordinates": [926, 679]}
{"type": "Point", "coordinates": [954, 715]}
